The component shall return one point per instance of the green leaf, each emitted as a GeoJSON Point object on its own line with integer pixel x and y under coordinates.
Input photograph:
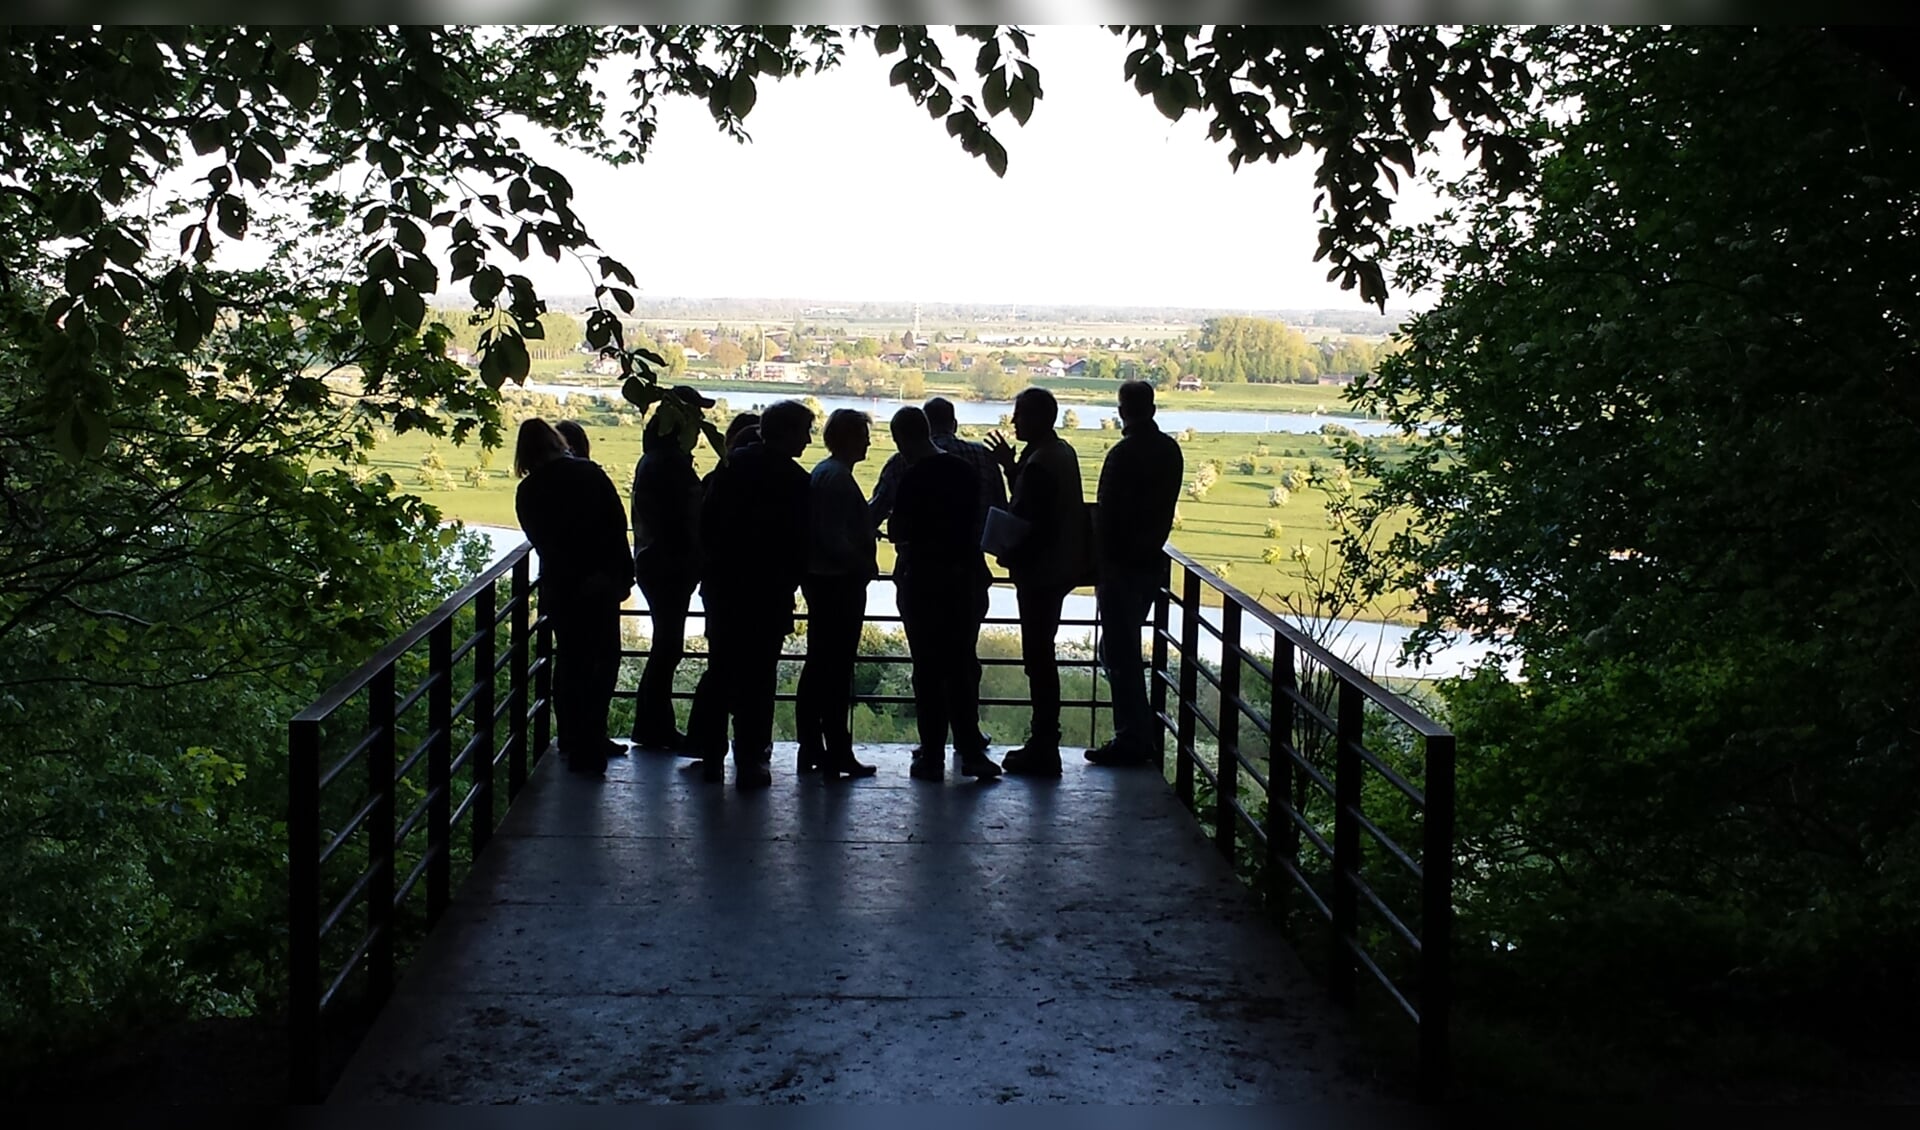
{"type": "Point", "coordinates": [409, 309]}
{"type": "Point", "coordinates": [207, 135]}
{"type": "Point", "coordinates": [994, 92]}
{"type": "Point", "coordinates": [1020, 101]}
{"type": "Point", "coordinates": [886, 39]}
{"type": "Point", "coordinates": [376, 312]}
{"type": "Point", "coordinates": [300, 83]}
{"type": "Point", "coordinates": [232, 211]}
{"type": "Point", "coordinates": [742, 95]}
{"type": "Point", "coordinates": [514, 361]}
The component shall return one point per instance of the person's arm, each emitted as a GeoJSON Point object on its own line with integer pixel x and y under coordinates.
{"type": "Point", "coordinates": [1033, 503]}
{"type": "Point", "coordinates": [886, 491]}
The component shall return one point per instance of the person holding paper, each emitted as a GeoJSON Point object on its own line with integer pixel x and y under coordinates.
{"type": "Point", "coordinates": [1046, 564]}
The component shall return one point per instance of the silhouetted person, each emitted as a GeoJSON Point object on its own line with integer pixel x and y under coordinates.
{"type": "Point", "coordinates": [946, 437]}
{"type": "Point", "coordinates": [941, 578]}
{"type": "Point", "coordinates": [1045, 488]}
{"type": "Point", "coordinates": [840, 563]}
{"type": "Point", "coordinates": [576, 436]}
{"type": "Point", "coordinates": [991, 492]}
{"type": "Point", "coordinates": [572, 515]}
{"type": "Point", "coordinates": [666, 506]}
{"type": "Point", "coordinates": [1139, 485]}
{"type": "Point", "coordinates": [707, 718]}
{"type": "Point", "coordinates": [753, 527]}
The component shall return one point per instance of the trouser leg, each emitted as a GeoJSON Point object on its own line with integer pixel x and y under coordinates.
{"type": "Point", "coordinates": [586, 670]}
{"type": "Point", "coordinates": [667, 601]}
{"type": "Point", "coordinates": [933, 670]}
{"type": "Point", "coordinates": [752, 684]}
{"type": "Point", "coordinates": [1123, 607]}
{"type": "Point", "coordinates": [1039, 625]}
{"type": "Point", "coordinates": [840, 643]}
{"type": "Point", "coordinates": [707, 721]}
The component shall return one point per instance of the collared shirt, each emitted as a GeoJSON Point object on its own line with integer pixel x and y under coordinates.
{"type": "Point", "coordinates": [840, 541]}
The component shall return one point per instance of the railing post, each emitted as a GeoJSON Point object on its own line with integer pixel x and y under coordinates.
{"type": "Point", "coordinates": [1155, 684]}
{"type": "Point", "coordinates": [1189, 684]}
{"type": "Point", "coordinates": [380, 823]}
{"type": "Point", "coordinates": [303, 912]}
{"type": "Point", "coordinates": [1093, 675]}
{"type": "Point", "coordinates": [1284, 778]}
{"type": "Point", "coordinates": [1227, 764]}
{"type": "Point", "coordinates": [439, 766]}
{"type": "Point", "coordinates": [517, 679]}
{"type": "Point", "coordinates": [542, 687]}
{"type": "Point", "coordinates": [1346, 838]}
{"type": "Point", "coordinates": [1436, 930]}
{"type": "Point", "coordinates": [485, 738]}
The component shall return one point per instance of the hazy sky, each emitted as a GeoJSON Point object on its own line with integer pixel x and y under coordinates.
{"type": "Point", "coordinates": [849, 191]}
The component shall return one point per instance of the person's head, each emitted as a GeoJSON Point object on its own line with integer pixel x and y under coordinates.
{"type": "Point", "coordinates": [912, 432]}
{"type": "Point", "coordinates": [576, 437]}
{"type": "Point", "coordinates": [1034, 411]}
{"type": "Point", "coordinates": [786, 428]}
{"type": "Point", "coordinates": [1136, 402]}
{"type": "Point", "coordinates": [738, 429]}
{"type": "Point", "coordinates": [847, 435]}
{"type": "Point", "coordinates": [940, 416]}
{"type": "Point", "coordinates": [537, 445]}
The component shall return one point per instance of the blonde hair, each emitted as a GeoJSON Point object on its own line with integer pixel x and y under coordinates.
{"type": "Point", "coordinates": [538, 445]}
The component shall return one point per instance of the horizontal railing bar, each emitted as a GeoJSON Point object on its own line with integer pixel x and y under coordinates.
{"type": "Point", "coordinates": [432, 853]}
{"type": "Point", "coordinates": [465, 755]}
{"type": "Point", "coordinates": [405, 829]}
{"type": "Point", "coordinates": [500, 663]}
{"type": "Point", "coordinates": [352, 898]}
{"type": "Point", "coordinates": [346, 688]}
{"type": "Point", "coordinates": [1393, 991]}
{"type": "Point", "coordinates": [1380, 907]}
{"type": "Point", "coordinates": [352, 826]}
{"type": "Point", "coordinates": [1305, 886]}
{"type": "Point", "coordinates": [1388, 843]}
{"type": "Point", "coordinates": [353, 960]}
{"type": "Point", "coordinates": [362, 746]}
{"type": "Point", "coordinates": [1206, 771]}
{"type": "Point", "coordinates": [1300, 762]}
{"type": "Point", "coordinates": [1240, 757]}
{"type": "Point", "coordinates": [1341, 669]}
{"type": "Point", "coordinates": [466, 700]}
{"type": "Point", "coordinates": [418, 692]}
{"type": "Point", "coordinates": [1252, 824]}
{"type": "Point", "coordinates": [419, 751]}
{"type": "Point", "coordinates": [466, 802]}
{"type": "Point", "coordinates": [1318, 841]}
{"type": "Point", "coordinates": [460, 652]}
{"type": "Point", "coordinates": [1406, 787]}
{"type": "Point", "coordinates": [1252, 715]}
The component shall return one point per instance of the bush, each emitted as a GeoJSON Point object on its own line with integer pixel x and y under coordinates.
{"type": "Point", "coordinates": [1275, 529]}
{"type": "Point", "coordinates": [1278, 497]}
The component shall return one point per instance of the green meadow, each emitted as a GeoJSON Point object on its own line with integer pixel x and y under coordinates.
{"type": "Point", "coordinates": [1226, 528]}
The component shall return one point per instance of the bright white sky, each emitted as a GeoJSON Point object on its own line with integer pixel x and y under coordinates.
{"type": "Point", "coordinates": [848, 191]}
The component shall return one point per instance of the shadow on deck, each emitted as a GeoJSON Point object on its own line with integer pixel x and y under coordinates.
{"type": "Point", "coordinates": [652, 938]}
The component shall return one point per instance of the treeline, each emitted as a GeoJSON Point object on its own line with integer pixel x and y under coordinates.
{"type": "Point", "coordinates": [1258, 351]}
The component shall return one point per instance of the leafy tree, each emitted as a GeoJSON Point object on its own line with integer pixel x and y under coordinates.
{"type": "Point", "coordinates": [1069, 420]}
{"type": "Point", "coordinates": [728, 355]}
{"type": "Point", "coordinates": [913, 384]}
{"type": "Point", "coordinates": [1674, 402]}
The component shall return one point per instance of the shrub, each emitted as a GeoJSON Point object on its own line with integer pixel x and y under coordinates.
{"type": "Point", "coordinates": [1275, 529]}
{"type": "Point", "coordinates": [1278, 497]}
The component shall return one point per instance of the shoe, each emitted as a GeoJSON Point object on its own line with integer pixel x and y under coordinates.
{"type": "Point", "coordinates": [713, 768]}
{"type": "Point", "coordinates": [927, 768]}
{"type": "Point", "coordinates": [670, 742]}
{"type": "Point", "coordinates": [978, 764]}
{"type": "Point", "coordinates": [751, 776]}
{"type": "Point", "coordinates": [810, 759]}
{"type": "Point", "coordinates": [1033, 760]}
{"type": "Point", "coordinates": [833, 766]}
{"type": "Point", "coordinates": [1120, 757]}
{"type": "Point", "coordinates": [616, 748]}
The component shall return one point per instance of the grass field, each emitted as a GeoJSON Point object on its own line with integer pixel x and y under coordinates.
{"type": "Point", "coordinates": [1226, 530]}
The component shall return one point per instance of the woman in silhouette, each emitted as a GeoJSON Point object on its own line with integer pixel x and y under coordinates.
{"type": "Point", "coordinates": [572, 514]}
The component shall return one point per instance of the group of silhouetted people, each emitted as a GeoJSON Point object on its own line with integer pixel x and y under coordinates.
{"type": "Point", "coordinates": [759, 528]}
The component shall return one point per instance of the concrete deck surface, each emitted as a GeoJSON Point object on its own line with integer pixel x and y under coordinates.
{"type": "Point", "coordinates": [652, 938]}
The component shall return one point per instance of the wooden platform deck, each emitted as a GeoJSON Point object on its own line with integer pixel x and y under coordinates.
{"type": "Point", "coordinates": [652, 938]}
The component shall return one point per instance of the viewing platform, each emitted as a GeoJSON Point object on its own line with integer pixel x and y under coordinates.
{"type": "Point", "coordinates": [653, 938]}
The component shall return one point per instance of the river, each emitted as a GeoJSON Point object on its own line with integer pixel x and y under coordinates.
{"type": "Point", "coordinates": [1370, 646]}
{"type": "Point", "coordinates": [987, 413]}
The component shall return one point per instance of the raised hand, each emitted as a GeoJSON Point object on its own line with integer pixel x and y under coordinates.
{"type": "Point", "coordinates": [1000, 449]}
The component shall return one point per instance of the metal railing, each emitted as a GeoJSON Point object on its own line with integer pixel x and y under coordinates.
{"type": "Point", "coordinates": [1313, 780]}
{"type": "Point", "coordinates": [329, 822]}
{"type": "Point", "coordinates": [500, 721]}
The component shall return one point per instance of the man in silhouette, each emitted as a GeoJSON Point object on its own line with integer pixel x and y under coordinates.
{"type": "Point", "coordinates": [1044, 484]}
{"type": "Point", "coordinates": [666, 501]}
{"type": "Point", "coordinates": [707, 716]}
{"type": "Point", "coordinates": [990, 492]}
{"type": "Point", "coordinates": [941, 578]}
{"type": "Point", "coordinates": [753, 525]}
{"type": "Point", "coordinates": [1139, 484]}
